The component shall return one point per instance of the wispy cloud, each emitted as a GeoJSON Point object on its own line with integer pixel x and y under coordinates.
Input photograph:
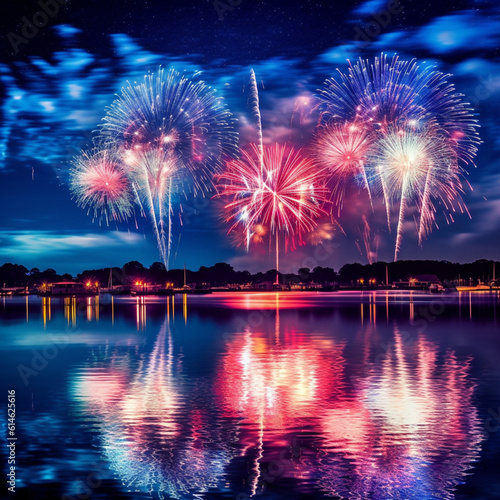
{"type": "Point", "coordinates": [38, 243]}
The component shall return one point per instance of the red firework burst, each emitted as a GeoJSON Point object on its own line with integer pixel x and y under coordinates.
{"type": "Point", "coordinates": [281, 191]}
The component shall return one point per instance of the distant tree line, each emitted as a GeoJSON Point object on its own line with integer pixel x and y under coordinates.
{"type": "Point", "coordinates": [223, 274]}
{"type": "Point", "coordinates": [480, 270]}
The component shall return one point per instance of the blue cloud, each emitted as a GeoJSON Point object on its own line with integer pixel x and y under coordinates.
{"type": "Point", "coordinates": [132, 54]}
{"type": "Point", "coordinates": [462, 34]}
{"type": "Point", "coordinates": [370, 7]}
{"type": "Point", "coordinates": [339, 55]}
{"type": "Point", "coordinates": [465, 31]}
{"type": "Point", "coordinates": [66, 31]}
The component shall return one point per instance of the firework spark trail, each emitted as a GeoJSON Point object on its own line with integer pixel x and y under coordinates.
{"type": "Point", "coordinates": [169, 211]}
{"type": "Point", "coordinates": [401, 218]}
{"type": "Point", "coordinates": [365, 234]}
{"type": "Point", "coordinates": [425, 223]}
{"type": "Point", "coordinates": [285, 197]}
{"type": "Point", "coordinates": [254, 103]}
{"type": "Point", "coordinates": [255, 109]}
{"type": "Point", "coordinates": [385, 196]}
{"type": "Point", "coordinates": [151, 171]}
{"type": "Point", "coordinates": [99, 183]}
{"type": "Point", "coordinates": [171, 133]}
{"type": "Point", "coordinates": [391, 96]}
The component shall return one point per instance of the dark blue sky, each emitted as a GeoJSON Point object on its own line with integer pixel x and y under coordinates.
{"type": "Point", "coordinates": [54, 89]}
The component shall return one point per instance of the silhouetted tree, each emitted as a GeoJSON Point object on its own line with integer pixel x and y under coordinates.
{"type": "Point", "coordinates": [13, 275]}
{"type": "Point", "coordinates": [134, 270]}
{"type": "Point", "coordinates": [350, 273]}
{"type": "Point", "coordinates": [304, 274]}
{"type": "Point", "coordinates": [157, 272]}
{"type": "Point", "coordinates": [222, 274]}
{"type": "Point", "coordinates": [324, 275]}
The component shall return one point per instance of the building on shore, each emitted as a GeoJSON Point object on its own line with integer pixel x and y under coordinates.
{"type": "Point", "coordinates": [419, 282]}
{"type": "Point", "coordinates": [67, 288]}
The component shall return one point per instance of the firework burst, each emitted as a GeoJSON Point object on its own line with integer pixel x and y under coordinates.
{"type": "Point", "coordinates": [341, 149]}
{"type": "Point", "coordinates": [100, 184]}
{"type": "Point", "coordinates": [417, 167]}
{"type": "Point", "coordinates": [169, 134]}
{"type": "Point", "coordinates": [183, 119]}
{"type": "Point", "coordinates": [281, 192]}
{"type": "Point", "coordinates": [392, 92]}
{"type": "Point", "coordinates": [420, 131]}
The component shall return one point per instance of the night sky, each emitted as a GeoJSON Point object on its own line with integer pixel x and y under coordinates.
{"type": "Point", "coordinates": [55, 87]}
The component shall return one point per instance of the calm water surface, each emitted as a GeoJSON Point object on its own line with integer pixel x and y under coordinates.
{"type": "Point", "coordinates": [375, 395]}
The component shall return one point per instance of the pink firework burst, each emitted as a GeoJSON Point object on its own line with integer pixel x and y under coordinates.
{"type": "Point", "coordinates": [99, 183]}
{"type": "Point", "coordinates": [341, 150]}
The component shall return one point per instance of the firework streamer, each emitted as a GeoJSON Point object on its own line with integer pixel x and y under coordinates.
{"type": "Point", "coordinates": [402, 208]}
{"type": "Point", "coordinates": [169, 209]}
{"type": "Point", "coordinates": [385, 196]}
{"type": "Point", "coordinates": [255, 109]}
{"type": "Point", "coordinates": [425, 223]}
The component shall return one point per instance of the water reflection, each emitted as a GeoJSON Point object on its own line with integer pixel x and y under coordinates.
{"type": "Point", "coordinates": [140, 313]}
{"type": "Point", "coordinates": [46, 310]}
{"type": "Point", "coordinates": [152, 432]}
{"type": "Point", "coordinates": [380, 414]}
{"type": "Point", "coordinates": [70, 310]}
{"type": "Point", "coordinates": [274, 384]}
{"type": "Point", "coordinates": [408, 431]}
{"type": "Point", "coordinates": [371, 306]}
